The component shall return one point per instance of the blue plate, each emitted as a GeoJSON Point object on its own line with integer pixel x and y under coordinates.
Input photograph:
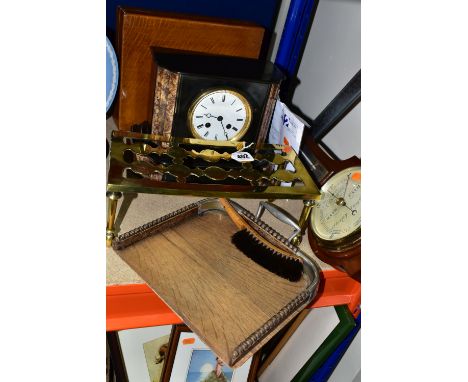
{"type": "Point", "coordinates": [112, 74]}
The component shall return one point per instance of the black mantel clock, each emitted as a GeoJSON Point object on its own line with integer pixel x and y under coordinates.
{"type": "Point", "coordinates": [213, 97]}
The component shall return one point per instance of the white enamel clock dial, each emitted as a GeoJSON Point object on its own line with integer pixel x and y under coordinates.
{"type": "Point", "coordinates": [219, 115]}
{"type": "Point", "coordinates": [338, 213]}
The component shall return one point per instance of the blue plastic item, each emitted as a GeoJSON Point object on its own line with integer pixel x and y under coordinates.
{"type": "Point", "coordinates": [294, 35]}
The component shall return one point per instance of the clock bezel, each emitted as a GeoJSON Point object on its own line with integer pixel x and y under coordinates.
{"type": "Point", "coordinates": [203, 94]}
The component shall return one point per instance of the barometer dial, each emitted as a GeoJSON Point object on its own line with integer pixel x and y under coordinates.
{"type": "Point", "coordinates": [337, 216]}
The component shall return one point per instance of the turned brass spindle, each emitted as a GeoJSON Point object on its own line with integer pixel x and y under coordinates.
{"type": "Point", "coordinates": [112, 198]}
{"type": "Point", "coordinates": [308, 205]}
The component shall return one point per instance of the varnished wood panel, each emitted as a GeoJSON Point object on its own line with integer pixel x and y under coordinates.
{"type": "Point", "coordinates": [222, 295]}
{"type": "Point", "coordinates": [139, 30]}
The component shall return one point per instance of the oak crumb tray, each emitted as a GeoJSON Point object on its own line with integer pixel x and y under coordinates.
{"type": "Point", "coordinates": [233, 304]}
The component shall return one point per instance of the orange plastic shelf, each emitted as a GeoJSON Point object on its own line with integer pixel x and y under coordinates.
{"type": "Point", "coordinates": [337, 288]}
{"type": "Point", "coordinates": [136, 305]}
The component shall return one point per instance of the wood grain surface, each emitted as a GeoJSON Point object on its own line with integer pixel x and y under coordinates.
{"type": "Point", "coordinates": [138, 30]}
{"type": "Point", "coordinates": [222, 295]}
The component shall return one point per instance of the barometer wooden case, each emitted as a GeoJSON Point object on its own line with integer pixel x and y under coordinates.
{"type": "Point", "coordinates": [215, 98]}
{"type": "Point", "coordinates": [335, 221]}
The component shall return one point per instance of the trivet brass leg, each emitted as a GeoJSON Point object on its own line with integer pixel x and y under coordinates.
{"type": "Point", "coordinates": [308, 204]}
{"type": "Point", "coordinates": [112, 198]}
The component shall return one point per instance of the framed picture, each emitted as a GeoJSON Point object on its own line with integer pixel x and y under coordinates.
{"type": "Point", "coordinates": [323, 373]}
{"type": "Point", "coordinates": [138, 355]}
{"type": "Point", "coordinates": [110, 374]}
{"type": "Point", "coordinates": [191, 360]}
{"type": "Point", "coordinates": [320, 331]}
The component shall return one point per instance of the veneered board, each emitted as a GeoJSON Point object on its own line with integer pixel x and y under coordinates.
{"type": "Point", "coordinates": [138, 30]}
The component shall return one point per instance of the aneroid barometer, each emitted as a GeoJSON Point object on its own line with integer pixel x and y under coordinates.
{"type": "Point", "coordinates": [335, 222]}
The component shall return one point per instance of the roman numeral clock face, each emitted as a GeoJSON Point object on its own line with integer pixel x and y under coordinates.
{"type": "Point", "coordinates": [219, 115]}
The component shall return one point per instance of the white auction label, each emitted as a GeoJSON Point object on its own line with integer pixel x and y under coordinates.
{"type": "Point", "coordinates": [242, 156]}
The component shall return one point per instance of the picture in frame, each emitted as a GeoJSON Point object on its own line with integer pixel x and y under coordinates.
{"type": "Point", "coordinates": [191, 360]}
{"type": "Point", "coordinates": [310, 344]}
{"type": "Point", "coordinates": [139, 354]}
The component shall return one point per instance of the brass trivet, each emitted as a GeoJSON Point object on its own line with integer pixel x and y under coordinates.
{"type": "Point", "coordinates": [146, 163]}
